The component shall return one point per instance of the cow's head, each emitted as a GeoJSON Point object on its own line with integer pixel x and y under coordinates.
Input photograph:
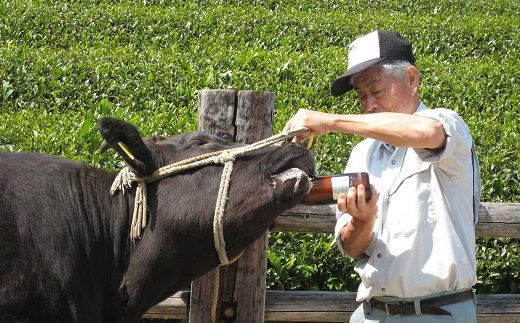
{"type": "Point", "coordinates": [263, 184]}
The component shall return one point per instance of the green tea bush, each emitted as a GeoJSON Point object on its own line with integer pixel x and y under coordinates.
{"type": "Point", "coordinates": [64, 64]}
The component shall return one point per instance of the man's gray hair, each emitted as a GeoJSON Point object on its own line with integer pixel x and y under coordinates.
{"type": "Point", "coordinates": [395, 68]}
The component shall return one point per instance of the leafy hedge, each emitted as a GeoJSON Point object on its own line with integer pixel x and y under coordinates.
{"type": "Point", "coordinates": [65, 64]}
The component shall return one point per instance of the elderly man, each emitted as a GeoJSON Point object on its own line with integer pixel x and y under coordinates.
{"type": "Point", "coordinates": [414, 241]}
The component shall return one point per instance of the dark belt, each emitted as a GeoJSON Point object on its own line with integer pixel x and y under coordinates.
{"type": "Point", "coordinates": [430, 306]}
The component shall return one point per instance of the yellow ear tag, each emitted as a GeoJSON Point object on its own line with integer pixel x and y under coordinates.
{"type": "Point", "coordinates": [126, 150]}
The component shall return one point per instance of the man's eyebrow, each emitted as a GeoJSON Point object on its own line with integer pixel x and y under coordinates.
{"type": "Point", "coordinates": [372, 80]}
{"type": "Point", "coordinates": [368, 82]}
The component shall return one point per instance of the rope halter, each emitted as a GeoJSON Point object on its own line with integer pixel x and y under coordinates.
{"type": "Point", "coordinates": [127, 177]}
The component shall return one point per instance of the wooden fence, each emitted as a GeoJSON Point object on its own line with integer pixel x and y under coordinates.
{"type": "Point", "coordinates": [247, 116]}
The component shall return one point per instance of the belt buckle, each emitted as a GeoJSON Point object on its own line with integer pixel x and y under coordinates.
{"type": "Point", "coordinates": [394, 308]}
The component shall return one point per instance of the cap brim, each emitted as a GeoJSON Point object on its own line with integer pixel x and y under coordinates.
{"type": "Point", "coordinates": [343, 84]}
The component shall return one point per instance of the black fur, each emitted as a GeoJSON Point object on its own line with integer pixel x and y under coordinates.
{"type": "Point", "coordinates": [65, 253]}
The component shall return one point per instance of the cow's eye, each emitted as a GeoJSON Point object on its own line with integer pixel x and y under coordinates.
{"type": "Point", "coordinates": [197, 143]}
{"type": "Point", "coordinates": [225, 135]}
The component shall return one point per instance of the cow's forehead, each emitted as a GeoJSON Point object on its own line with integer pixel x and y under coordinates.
{"type": "Point", "coordinates": [183, 138]}
{"type": "Point", "coordinates": [188, 137]}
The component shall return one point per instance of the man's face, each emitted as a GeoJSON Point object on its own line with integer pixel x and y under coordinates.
{"type": "Point", "coordinates": [378, 92]}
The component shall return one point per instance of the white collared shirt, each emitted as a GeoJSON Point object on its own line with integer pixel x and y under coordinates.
{"type": "Point", "coordinates": [424, 238]}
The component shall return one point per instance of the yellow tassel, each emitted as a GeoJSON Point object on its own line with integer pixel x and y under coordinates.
{"type": "Point", "coordinates": [310, 141]}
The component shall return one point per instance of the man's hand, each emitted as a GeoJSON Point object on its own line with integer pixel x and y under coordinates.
{"type": "Point", "coordinates": [357, 234]}
{"type": "Point", "coordinates": [354, 203]}
{"type": "Point", "coordinates": [317, 122]}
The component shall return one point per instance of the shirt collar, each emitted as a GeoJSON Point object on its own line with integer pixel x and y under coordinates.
{"type": "Point", "coordinates": [420, 108]}
{"type": "Point", "coordinates": [378, 145]}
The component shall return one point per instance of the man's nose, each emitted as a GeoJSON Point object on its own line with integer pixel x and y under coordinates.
{"type": "Point", "coordinates": [371, 109]}
{"type": "Point", "coordinates": [370, 105]}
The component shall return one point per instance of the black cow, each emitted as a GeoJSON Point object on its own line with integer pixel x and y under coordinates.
{"type": "Point", "coordinates": [65, 251]}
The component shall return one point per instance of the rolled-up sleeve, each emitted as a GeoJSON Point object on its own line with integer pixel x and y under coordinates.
{"type": "Point", "coordinates": [458, 141]}
{"type": "Point", "coordinates": [459, 149]}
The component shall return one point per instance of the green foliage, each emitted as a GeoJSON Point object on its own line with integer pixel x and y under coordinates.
{"type": "Point", "coordinates": [498, 266]}
{"type": "Point", "coordinates": [63, 64]}
{"type": "Point", "coordinates": [310, 264]}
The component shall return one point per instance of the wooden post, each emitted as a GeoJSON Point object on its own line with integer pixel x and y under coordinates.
{"type": "Point", "coordinates": [247, 116]}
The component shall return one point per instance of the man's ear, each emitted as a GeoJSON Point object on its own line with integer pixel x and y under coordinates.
{"type": "Point", "coordinates": [413, 74]}
{"type": "Point", "coordinates": [125, 139]}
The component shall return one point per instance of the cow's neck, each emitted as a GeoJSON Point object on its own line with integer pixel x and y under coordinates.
{"type": "Point", "coordinates": [138, 272]}
{"type": "Point", "coordinates": [112, 245]}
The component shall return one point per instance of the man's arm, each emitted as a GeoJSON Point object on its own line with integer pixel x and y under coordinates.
{"type": "Point", "coordinates": [396, 129]}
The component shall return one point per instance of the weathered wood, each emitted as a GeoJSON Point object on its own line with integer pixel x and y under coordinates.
{"type": "Point", "coordinates": [217, 112]}
{"type": "Point", "coordinates": [245, 279]}
{"type": "Point", "coordinates": [250, 282]}
{"type": "Point", "coordinates": [302, 218]}
{"type": "Point", "coordinates": [499, 220]}
{"type": "Point", "coordinates": [254, 117]}
{"type": "Point", "coordinates": [306, 306]}
{"type": "Point", "coordinates": [217, 109]}
{"type": "Point", "coordinates": [247, 116]}
{"type": "Point", "coordinates": [498, 318]}
{"type": "Point", "coordinates": [174, 307]}
{"type": "Point", "coordinates": [494, 308]}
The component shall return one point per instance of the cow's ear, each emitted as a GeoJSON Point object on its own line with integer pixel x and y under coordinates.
{"type": "Point", "coordinates": [125, 139]}
{"type": "Point", "coordinates": [105, 146]}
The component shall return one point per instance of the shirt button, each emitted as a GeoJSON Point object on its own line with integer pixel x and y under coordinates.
{"type": "Point", "coordinates": [393, 162]}
{"type": "Point", "coordinates": [383, 289]}
{"type": "Point", "coordinates": [379, 255]}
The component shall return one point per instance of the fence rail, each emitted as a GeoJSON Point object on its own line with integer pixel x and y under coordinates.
{"type": "Point", "coordinates": [306, 306]}
{"type": "Point", "coordinates": [495, 220]}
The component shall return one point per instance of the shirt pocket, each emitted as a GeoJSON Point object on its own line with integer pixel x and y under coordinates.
{"type": "Point", "coordinates": [413, 205]}
{"type": "Point", "coordinates": [406, 225]}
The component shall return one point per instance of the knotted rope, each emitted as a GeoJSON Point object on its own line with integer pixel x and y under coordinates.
{"type": "Point", "coordinates": [127, 177]}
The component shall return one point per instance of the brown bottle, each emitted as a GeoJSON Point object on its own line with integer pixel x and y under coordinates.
{"type": "Point", "coordinates": [325, 189]}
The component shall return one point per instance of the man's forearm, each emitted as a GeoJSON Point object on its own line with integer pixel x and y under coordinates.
{"type": "Point", "coordinates": [396, 129]}
{"type": "Point", "coordinates": [356, 236]}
